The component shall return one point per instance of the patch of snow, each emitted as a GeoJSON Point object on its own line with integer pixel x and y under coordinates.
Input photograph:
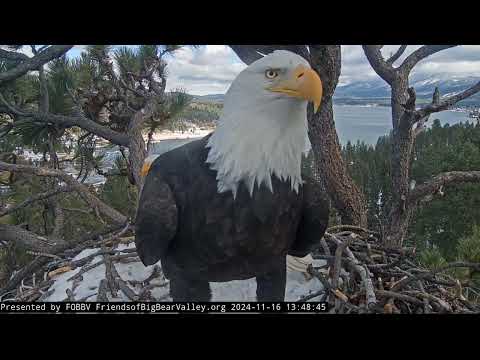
{"type": "Point", "coordinates": [298, 285]}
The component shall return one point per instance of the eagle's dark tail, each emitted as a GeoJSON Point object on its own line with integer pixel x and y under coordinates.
{"type": "Point", "coordinates": [156, 220]}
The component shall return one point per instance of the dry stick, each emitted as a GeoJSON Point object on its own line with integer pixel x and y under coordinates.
{"type": "Point", "coordinates": [352, 228]}
{"type": "Point", "coordinates": [45, 295]}
{"type": "Point", "coordinates": [114, 237]}
{"type": "Point", "coordinates": [144, 292]}
{"type": "Point", "coordinates": [37, 253]}
{"type": "Point", "coordinates": [325, 247]}
{"type": "Point", "coordinates": [112, 284]}
{"type": "Point", "coordinates": [155, 273]}
{"type": "Point", "coordinates": [85, 269]}
{"type": "Point", "coordinates": [363, 272]}
{"type": "Point", "coordinates": [327, 288]}
{"type": "Point", "coordinates": [41, 261]}
{"type": "Point", "coordinates": [443, 305]}
{"type": "Point", "coordinates": [426, 304]}
{"type": "Point", "coordinates": [80, 262]}
{"type": "Point", "coordinates": [398, 296]}
{"type": "Point", "coordinates": [336, 271]}
{"type": "Point", "coordinates": [70, 296]}
{"type": "Point", "coordinates": [122, 284]}
{"type": "Point", "coordinates": [102, 291]}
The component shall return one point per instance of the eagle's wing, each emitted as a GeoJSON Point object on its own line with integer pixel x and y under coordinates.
{"type": "Point", "coordinates": [156, 220]}
{"type": "Point", "coordinates": [315, 215]}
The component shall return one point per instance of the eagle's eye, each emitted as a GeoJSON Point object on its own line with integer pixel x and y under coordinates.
{"type": "Point", "coordinates": [271, 74]}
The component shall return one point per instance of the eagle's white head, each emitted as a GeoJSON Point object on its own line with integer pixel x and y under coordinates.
{"type": "Point", "coordinates": [263, 130]}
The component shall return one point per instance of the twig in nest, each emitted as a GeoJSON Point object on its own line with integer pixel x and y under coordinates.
{"type": "Point", "coordinates": [325, 247]}
{"type": "Point", "coordinates": [398, 296]}
{"type": "Point", "coordinates": [351, 228]}
{"type": "Point", "coordinates": [102, 291]}
{"type": "Point", "coordinates": [70, 296]}
{"type": "Point", "coordinates": [122, 284]}
{"type": "Point", "coordinates": [426, 305]}
{"type": "Point", "coordinates": [36, 253]}
{"type": "Point", "coordinates": [85, 269]}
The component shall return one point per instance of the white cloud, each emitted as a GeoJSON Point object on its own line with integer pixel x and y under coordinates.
{"type": "Point", "coordinates": [206, 70]}
{"type": "Point", "coordinates": [211, 69]}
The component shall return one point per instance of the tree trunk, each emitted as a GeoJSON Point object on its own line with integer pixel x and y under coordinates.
{"type": "Point", "coordinates": [401, 153]}
{"type": "Point", "coordinates": [136, 148]}
{"type": "Point", "coordinates": [344, 193]}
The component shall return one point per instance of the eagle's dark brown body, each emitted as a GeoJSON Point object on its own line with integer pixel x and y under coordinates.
{"type": "Point", "coordinates": [202, 236]}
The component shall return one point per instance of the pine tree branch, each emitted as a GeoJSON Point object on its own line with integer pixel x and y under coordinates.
{"type": "Point", "coordinates": [69, 121]}
{"type": "Point", "coordinates": [34, 63]}
{"type": "Point", "coordinates": [36, 197]}
{"type": "Point", "coordinates": [84, 192]}
{"type": "Point", "coordinates": [28, 239]}
{"type": "Point", "coordinates": [44, 101]}
{"type": "Point", "coordinates": [12, 55]}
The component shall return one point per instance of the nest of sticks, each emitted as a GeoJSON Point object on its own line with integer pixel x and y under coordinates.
{"type": "Point", "coordinates": [33, 282]}
{"type": "Point", "coordinates": [360, 276]}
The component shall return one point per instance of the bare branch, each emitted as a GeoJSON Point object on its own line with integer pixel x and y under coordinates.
{"type": "Point", "coordinates": [421, 123]}
{"type": "Point", "coordinates": [444, 179]}
{"type": "Point", "coordinates": [420, 54]}
{"type": "Point", "coordinates": [397, 54]}
{"type": "Point", "coordinates": [34, 63]}
{"type": "Point", "coordinates": [446, 103]}
{"type": "Point", "coordinates": [378, 63]}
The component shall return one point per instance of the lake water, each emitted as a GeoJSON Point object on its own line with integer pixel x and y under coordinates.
{"type": "Point", "coordinates": [369, 123]}
{"type": "Point", "coordinates": [353, 123]}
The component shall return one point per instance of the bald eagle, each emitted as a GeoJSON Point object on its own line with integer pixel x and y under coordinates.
{"type": "Point", "coordinates": [234, 204]}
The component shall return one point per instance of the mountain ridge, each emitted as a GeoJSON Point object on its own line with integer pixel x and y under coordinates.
{"type": "Point", "coordinates": [377, 91]}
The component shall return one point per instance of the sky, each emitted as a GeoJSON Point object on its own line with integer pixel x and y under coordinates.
{"type": "Point", "coordinates": [210, 69]}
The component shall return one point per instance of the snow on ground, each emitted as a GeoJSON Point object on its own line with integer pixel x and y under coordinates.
{"type": "Point", "coordinates": [298, 282]}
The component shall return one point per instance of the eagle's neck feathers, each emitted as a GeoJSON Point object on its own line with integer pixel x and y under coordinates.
{"type": "Point", "coordinates": [251, 146]}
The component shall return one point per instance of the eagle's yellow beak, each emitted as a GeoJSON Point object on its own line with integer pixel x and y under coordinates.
{"type": "Point", "coordinates": [304, 83]}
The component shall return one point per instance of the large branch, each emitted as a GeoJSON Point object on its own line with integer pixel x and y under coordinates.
{"type": "Point", "coordinates": [68, 121]}
{"type": "Point", "coordinates": [12, 55]}
{"type": "Point", "coordinates": [28, 239]}
{"type": "Point", "coordinates": [397, 54]}
{"type": "Point", "coordinates": [420, 54]}
{"type": "Point", "coordinates": [34, 63]}
{"type": "Point", "coordinates": [446, 103]}
{"type": "Point", "coordinates": [84, 192]}
{"type": "Point", "coordinates": [383, 68]}
{"type": "Point", "coordinates": [448, 178]}
{"type": "Point", "coordinates": [86, 124]}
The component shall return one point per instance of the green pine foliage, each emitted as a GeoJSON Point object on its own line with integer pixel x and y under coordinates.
{"type": "Point", "coordinates": [443, 221]}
